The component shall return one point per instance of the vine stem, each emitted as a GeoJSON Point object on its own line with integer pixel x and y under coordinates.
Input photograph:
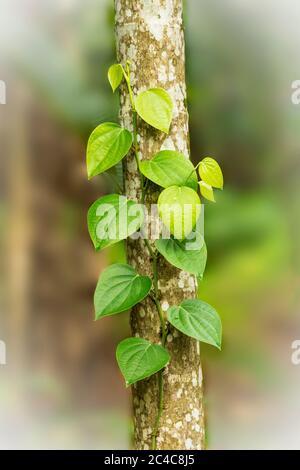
{"type": "Point", "coordinates": [151, 252]}
{"type": "Point", "coordinates": [160, 377]}
{"type": "Point", "coordinates": [154, 257]}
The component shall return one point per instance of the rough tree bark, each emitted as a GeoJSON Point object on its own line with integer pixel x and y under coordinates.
{"type": "Point", "coordinates": [149, 34]}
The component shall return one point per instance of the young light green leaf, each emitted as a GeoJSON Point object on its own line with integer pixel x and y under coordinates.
{"type": "Point", "coordinates": [113, 218]}
{"type": "Point", "coordinates": [107, 145]}
{"type": "Point", "coordinates": [211, 173]}
{"type": "Point", "coordinates": [207, 191]}
{"type": "Point", "coordinates": [138, 359]}
{"type": "Point", "coordinates": [115, 75]}
{"type": "Point", "coordinates": [169, 168]}
{"type": "Point", "coordinates": [188, 255]}
{"type": "Point", "coordinates": [155, 107]}
{"type": "Point", "coordinates": [198, 320]}
{"type": "Point", "coordinates": [119, 288]}
{"type": "Point", "coordinates": [179, 208]}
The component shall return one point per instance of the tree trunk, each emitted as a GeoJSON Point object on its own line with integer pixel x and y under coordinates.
{"type": "Point", "coordinates": [149, 34]}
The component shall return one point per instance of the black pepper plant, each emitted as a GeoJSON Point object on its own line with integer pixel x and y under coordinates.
{"type": "Point", "coordinates": [114, 217]}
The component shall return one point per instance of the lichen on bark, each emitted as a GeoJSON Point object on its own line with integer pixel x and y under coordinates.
{"type": "Point", "coordinates": [149, 34]}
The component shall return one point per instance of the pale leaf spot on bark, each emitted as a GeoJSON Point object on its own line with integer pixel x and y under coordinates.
{"type": "Point", "coordinates": [194, 379]}
{"type": "Point", "coordinates": [168, 144]}
{"type": "Point", "coordinates": [188, 443]}
{"type": "Point", "coordinates": [142, 313]}
{"type": "Point", "coordinates": [200, 376]}
{"type": "Point", "coordinates": [191, 282]}
{"type": "Point", "coordinates": [131, 166]}
{"type": "Point", "coordinates": [162, 73]}
{"type": "Point", "coordinates": [169, 338]}
{"type": "Point", "coordinates": [172, 73]}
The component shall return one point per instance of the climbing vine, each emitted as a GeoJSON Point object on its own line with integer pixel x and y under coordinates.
{"type": "Point", "coordinates": [114, 217]}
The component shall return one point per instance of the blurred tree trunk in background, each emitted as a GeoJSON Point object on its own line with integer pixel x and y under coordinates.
{"type": "Point", "coordinates": [150, 35]}
{"type": "Point", "coordinates": [19, 236]}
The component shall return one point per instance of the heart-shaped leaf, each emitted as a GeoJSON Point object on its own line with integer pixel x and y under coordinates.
{"type": "Point", "coordinates": [188, 255]}
{"type": "Point", "coordinates": [113, 218]}
{"type": "Point", "coordinates": [155, 106]}
{"type": "Point", "coordinates": [179, 208]}
{"type": "Point", "coordinates": [211, 173]}
{"type": "Point", "coordinates": [138, 359]}
{"type": "Point", "coordinates": [169, 168]}
{"type": "Point", "coordinates": [107, 145]}
{"type": "Point", "coordinates": [119, 288]}
{"type": "Point", "coordinates": [197, 319]}
{"type": "Point", "coordinates": [207, 191]}
{"type": "Point", "coordinates": [115, 75]}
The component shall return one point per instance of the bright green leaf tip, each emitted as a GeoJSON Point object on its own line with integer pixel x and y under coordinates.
{"type": "Point", "coordinates": [207, 191]}
{"type": "Point", "coordinates": [115, 76]}
{"type": "Point", "coordinates": [107, 145]}
{"type": "Point", "coordinates": [210, 172]}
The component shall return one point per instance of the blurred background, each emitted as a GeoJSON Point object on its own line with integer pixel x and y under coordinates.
{"type": "Point", "coordinates": [61, 387]}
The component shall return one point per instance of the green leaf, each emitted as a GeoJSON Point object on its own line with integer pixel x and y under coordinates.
{"type": "Point", "coordinates": [197, 319]}
{"type": "Point", "coordinates": [115, 75]}
{"type": "Point", "coordinates": [169, 168]}
{"type": "Point", "coordinates": [179, 208]}
{"type": "Point", "coordinates": [138, 359]}
{"type": "Point", "coordinates": [155, 107]}
{"type": "Point", "coordinates": [116, 177]}
{"type": "Point", "coordinates": [207, 191]}
{"type": "Point", "coordinates": [188, 255]}
{"type": "Point", "coordinates": [113, 218]}
{"type": "Point", "coordinates": [119, 288]}
{"type": "Point", "coordinates": [107, 145]}
{"type": "Point", "coordinates": [211, 173]}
